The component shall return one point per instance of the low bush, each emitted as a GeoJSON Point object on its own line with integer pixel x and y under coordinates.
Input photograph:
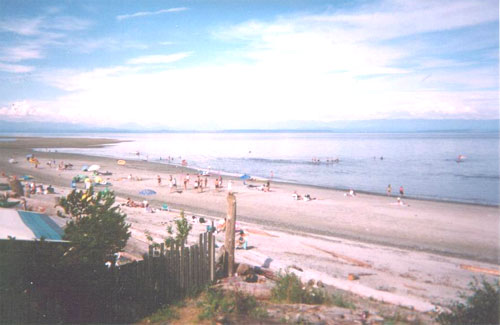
{"type": "Point", "coordinates": [340, 301]}
{"type": "Point", "coordinates": [482, 307]}
{"type": "Point", "coordinates": [166, 313]}
{"type": "Point", "coordinates": [217, 302]}
{"type": "Point", "coordinates": [290, 289]}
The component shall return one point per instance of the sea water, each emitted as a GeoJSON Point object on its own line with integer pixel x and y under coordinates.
{"type": "Point", "coordinates": [425, 164]}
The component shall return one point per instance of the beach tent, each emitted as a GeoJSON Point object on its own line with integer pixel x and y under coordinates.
{"type": "Point", "coordinates": [27, 225]}
{"type": "Point", "coordinates": [147, 192]}
{"type": "Point", "coordinates": [93, 168]}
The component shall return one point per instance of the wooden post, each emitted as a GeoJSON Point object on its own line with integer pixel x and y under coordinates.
{"type": "Point", "coordinates": [230, 229]}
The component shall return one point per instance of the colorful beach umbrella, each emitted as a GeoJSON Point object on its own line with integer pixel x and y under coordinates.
{"type": "Point", "coordinates": [245, 177]}
{"type": "Point", "coordinates": [147, 192]}
{"type": "Point", "coordinates": [93, 168]}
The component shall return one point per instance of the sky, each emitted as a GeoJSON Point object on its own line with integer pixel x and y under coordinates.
{"type": "Point", "coordinates": [247, 64]}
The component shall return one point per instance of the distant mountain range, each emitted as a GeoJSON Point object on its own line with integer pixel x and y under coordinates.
{"type": "Point", "coordinates": [368, 126]}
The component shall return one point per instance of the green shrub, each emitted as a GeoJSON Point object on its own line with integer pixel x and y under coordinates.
{"type": "Point", "coordinates": [340, 301]}
{"type": "Point", "coordinates": [290, 289]}
{"type": "Point", "coordinates": [482, 307]}
{"type": "Point", "coordinates": [182, 233]}
{"type": "Point", "coordinates": [218, 302]}
{"type": "Point", "coordinates": [164, 314]}
{"type": "Point", "coordinates": [97, 228]}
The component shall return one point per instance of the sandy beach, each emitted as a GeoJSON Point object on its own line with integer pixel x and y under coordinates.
{"type": "Point", "coordinates": [417, 254]}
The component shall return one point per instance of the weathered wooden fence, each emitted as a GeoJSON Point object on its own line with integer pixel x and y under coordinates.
{"type": "Point", "coordinates": [80, 294]}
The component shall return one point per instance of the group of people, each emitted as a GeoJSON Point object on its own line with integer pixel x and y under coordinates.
{"type": "Point", "coordinates": [317, 161]}
{"type": "Point", "coordinates": [306, 197]}
{"type": "Point", "coordinates": [401, 190]}
{"type": "Point", "coordinates": [33, 188]}
{"type": "Point", "coordinates": [266, 187]}
{"type": "Point", "coordinates": [131, 203]}
{"type": "Point", "coordinates": [241, 241]}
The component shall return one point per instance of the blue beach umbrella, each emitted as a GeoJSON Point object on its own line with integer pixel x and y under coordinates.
{"type": "Point", "coordinates": [147, 192]}
{"type": "Point", "coordinates": [245, 177]}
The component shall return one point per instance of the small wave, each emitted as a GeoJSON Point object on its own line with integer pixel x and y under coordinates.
{"type": "Point", "coordinates": [291, 161]}
{"type": "Point", "coordinates": [478, 176]}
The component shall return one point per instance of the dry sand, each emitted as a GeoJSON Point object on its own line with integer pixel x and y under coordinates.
{"type": "Point", "coordinates": [415, 255]}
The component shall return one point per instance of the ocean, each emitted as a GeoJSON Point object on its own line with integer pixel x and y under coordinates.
{"type": "Point", "coordinates": [425, 164]}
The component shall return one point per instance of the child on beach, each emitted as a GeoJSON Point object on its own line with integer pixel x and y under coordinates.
{"type": "Point", "coordinates": [242, 240]}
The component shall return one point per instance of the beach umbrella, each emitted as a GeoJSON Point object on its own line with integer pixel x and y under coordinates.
{"type": "Point", "coordinates": [85, 168]}
{"type": "Point", "coordinates": [93, 168]}
{"type": "Point", "coordinates": [245, 177]}
{"type": "Point", "coordinates": [147, 192]}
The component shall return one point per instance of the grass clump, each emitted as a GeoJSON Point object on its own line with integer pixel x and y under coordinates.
{"type": "Point", "coordinates": [166, 313]}
{"type": "Point", "coordinates": [340, 301]}
{"type": "Point", "coordinates": [482, 307]}
{"type": "Point", "coordinates": [290, 289]}
{"type": "Point", "coordinates": [225, 303]}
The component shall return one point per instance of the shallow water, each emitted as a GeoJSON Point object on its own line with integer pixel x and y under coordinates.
{"type": "Point", "coordinates": [424, 163]}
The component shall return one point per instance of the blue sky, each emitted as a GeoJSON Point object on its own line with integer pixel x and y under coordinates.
{"type": "Point", "coordinates": [247, 64]}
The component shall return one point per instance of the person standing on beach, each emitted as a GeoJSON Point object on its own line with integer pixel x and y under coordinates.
{"type": "Point", "coordinates": [401, 190]}
{"type": "Point", "coordinates": [389, 189]}
{"type": "Point", "coordinates": [159, 180]}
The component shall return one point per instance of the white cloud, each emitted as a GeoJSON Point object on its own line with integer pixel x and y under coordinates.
{"type": "Point", "coordinates": [21, 109]}
{"type": "Point", "coordinates": [149, 13]}
{"type": "Point", "coordinates": [16, 68]}
{"type": "Point", "coordinates": [25, 27]}
{"type": "Point", "coordinates": [20, 53]}
{"type": "Point", "coordinates": [159, 59]}
{"type": "Point", "coordinates": [318, 67]}
{"type": "Point", "coordinates": [393, 19]}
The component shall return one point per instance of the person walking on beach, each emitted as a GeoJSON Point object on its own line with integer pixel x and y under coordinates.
{"type": "Point", "coordinates": [159, 180]}
{"type": "Point", "coordinates": [401, 190]}
{"type": "Point", "coordinates": [389, 189]}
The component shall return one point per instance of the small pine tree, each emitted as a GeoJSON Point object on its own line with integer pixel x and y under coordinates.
{"type": "Point", "coordinates": [97, 228]}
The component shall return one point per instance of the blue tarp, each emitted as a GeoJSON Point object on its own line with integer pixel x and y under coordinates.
{"type": "Point", "coordinates": [41, 225]}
